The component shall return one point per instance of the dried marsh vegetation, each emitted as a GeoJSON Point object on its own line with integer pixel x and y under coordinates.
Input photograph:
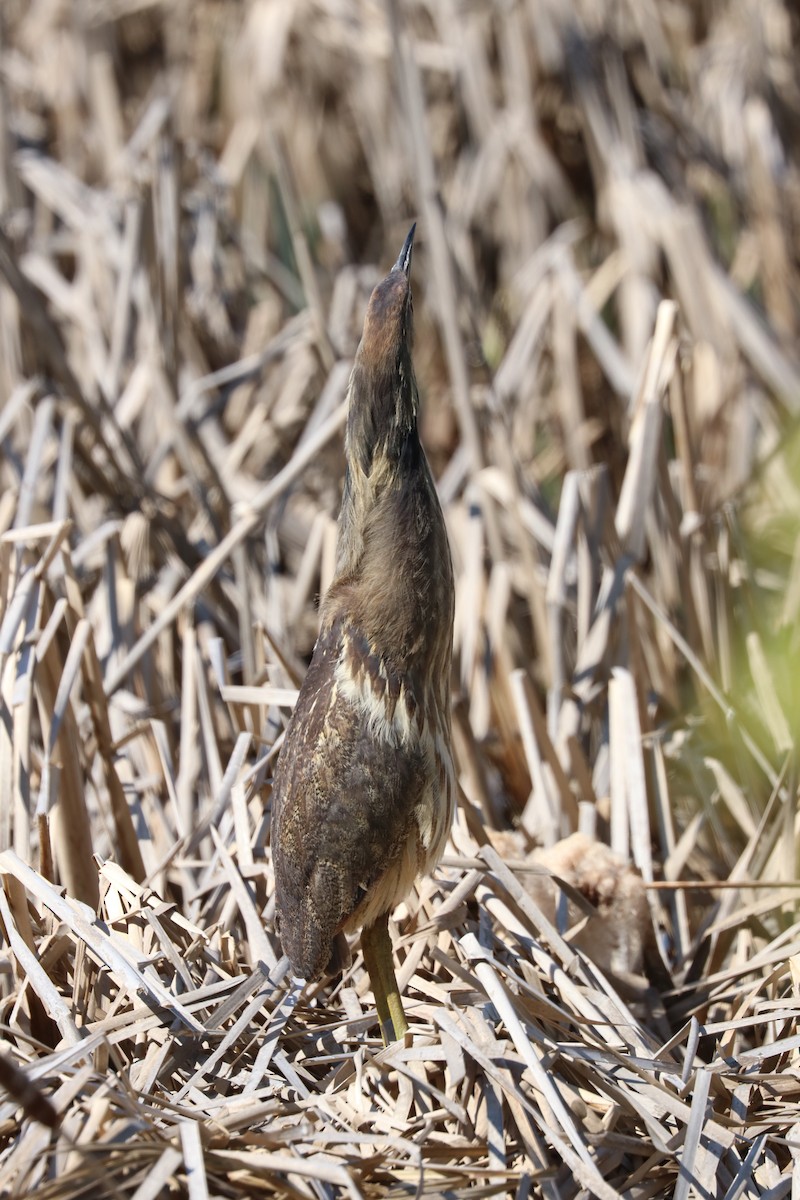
{"type": "Point", "coordinates": [603, 977]}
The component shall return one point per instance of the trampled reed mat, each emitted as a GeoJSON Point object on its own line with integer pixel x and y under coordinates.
{"type": "Point", "coordinates": [602, 977]}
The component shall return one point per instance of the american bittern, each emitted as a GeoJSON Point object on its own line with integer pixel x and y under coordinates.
{"type": "Point", "coordinates": [364, 790]}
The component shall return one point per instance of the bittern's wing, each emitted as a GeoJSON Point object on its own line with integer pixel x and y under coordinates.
{"type": "Point", "coordinates": [343, 797]}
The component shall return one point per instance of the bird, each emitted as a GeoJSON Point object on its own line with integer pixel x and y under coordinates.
{"type": "Point", "coordinates": [363, 793]}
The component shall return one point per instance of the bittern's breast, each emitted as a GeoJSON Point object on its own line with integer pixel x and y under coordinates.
{"type": "Point", "coordinates": [362, 798]}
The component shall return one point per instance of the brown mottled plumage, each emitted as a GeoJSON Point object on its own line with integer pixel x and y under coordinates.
{"type": "Point", "coordinates": [363, 795]}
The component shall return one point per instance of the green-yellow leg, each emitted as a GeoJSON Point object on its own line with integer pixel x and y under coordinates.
{"type": "Point", "coordinates": [377, 947]}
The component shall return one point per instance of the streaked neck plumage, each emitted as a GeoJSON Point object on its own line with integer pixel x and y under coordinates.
{"type": "Point", "coordinates": [381, 446]}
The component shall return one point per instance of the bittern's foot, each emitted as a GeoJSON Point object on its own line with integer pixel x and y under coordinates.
{"type": "Point", "coordinates": [377, 947]}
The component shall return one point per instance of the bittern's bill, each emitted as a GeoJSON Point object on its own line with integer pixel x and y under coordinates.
{"type": "Point", "coordinates": [364, 789]}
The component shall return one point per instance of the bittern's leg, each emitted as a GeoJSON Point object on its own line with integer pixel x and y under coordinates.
{"type": "Point", "coordinates": [377, 947]}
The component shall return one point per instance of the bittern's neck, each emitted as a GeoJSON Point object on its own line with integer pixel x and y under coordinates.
{"type": "Point", "coordinates": [382, 449]}
{"type": "Point", "coordinates": [383, 412]}
{"type": "Point", "coordinates": [394, 580]}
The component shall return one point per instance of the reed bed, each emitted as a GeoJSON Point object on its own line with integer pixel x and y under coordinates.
{"type": "Point", "coordinates": [603, 977]}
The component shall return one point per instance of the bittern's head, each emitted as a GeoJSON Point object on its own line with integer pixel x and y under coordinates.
{"type": "Point", "coordinates": [383, 391]}
{"type": "Point", "coordinates": [388, 324]}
